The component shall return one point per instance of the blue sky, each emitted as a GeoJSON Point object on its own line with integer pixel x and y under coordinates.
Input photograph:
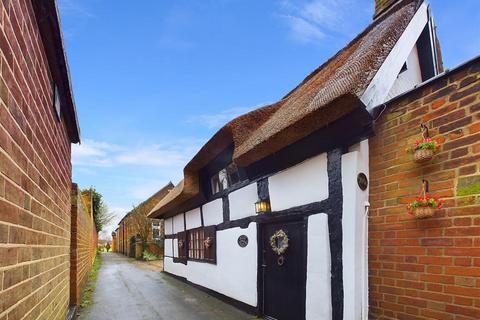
{"type": "Point", "coordinates": [153, 82]}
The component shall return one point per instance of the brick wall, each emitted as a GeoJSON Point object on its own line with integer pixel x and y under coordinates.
{"type": "Point", "coordinates": [427, 269]}
{"type": "Point", "coordinates": [114, 242]}
{"type": "Point", "coordinates": [83, 244]}
{"type": "Point", "coordinates": [35, 175]}
{"type": "Point", "coordinates": [121, 242]}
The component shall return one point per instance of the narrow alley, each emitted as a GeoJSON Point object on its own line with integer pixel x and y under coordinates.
{"type": "Point", "coordinates": [127, 290]}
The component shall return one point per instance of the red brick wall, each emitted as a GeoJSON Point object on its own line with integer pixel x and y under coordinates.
{"type": "Point", "coordinates": [83, 244]}
{"type": "Point", "coordinates": [121, 242]}
{"type": "Point", "coordinates": [427, 269]}
{"type": "Point", "coordinates": [114, 243]}
{"type": "Point", "coordinates": [35, 176]}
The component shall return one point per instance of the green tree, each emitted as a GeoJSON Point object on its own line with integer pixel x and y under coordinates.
{"type": "Point", "coordinates": [101, 216]}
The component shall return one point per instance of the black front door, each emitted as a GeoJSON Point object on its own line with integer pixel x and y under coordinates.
{"type": "Point", "coordinates": [284, 254]}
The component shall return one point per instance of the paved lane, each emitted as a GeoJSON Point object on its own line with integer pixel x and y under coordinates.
{"type": "Point", "coordinates": [127, 291]}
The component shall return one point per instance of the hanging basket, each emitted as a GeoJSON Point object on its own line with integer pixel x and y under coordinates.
{"type": "Point", "coordinates": [424, 212]}
{"type": "Point", "coordinates": [423, 155]}
{"type": "Point", "coordinates": [424, 206]}
{"type": "Point", "coordinates": [424, 148]}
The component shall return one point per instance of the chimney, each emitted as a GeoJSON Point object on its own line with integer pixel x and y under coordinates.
{"type": "Point", "coordinates": [381, 6]}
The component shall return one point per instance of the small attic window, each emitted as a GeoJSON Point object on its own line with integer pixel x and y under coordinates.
{"type": "Point", "coordinates": [225, 178]}
{"type": "Point", "coordinates": [56, 101]}
{"type": "Point", "coordinates": [404, 68]}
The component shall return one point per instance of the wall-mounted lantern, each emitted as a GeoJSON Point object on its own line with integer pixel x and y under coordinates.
{"type": "Point", "coordinates": [262, 206]}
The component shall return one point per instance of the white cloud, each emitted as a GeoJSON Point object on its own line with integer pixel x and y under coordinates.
{"type": "Point", "coordinates": [217, 120]}
{"type": "Point", "coordinates": [74, 7]}
{"type": "Point", "coordinates": [312, 21]}
{"type": "Point", "coordinates": [303, 31]}
{"type": "Point", "coordinates": [326, 13]}
{"type": "Point", "coordinates": [157, 155]}
{"type": "Point", "coordinates": [92, 153]}
{"type": "Point", "coordinates": [221, 118]}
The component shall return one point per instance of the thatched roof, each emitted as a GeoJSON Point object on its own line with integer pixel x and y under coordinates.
{"type": "Point", "coordinates": [332, 91]}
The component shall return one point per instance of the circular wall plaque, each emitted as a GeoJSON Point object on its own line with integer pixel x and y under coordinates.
{"type": "Point", "coordinates": [242, 241]}
{"type": "Point", "coordinates": [362, 181]}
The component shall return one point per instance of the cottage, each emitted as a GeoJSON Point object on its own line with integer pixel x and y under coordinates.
{"type": "Point", "coordinates": [135, 224]}
{"type": "Point", "coordinates": [275, 211]}
{"type": "Point", "coordinates": [272, 211]}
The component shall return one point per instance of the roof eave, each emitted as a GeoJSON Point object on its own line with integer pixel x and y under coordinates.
{"type": "Point", "coordinates": [48, 20]}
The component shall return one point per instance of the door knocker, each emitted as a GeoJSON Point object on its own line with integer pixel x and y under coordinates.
{"type": "Point", "coordinates": [181, 243]}
{"type": "Point", "coordinates": [207, 242]}
{"type": "Point", "coordinates": [281, 260]}
{"type": "Point", "coordinates": [279, 242]}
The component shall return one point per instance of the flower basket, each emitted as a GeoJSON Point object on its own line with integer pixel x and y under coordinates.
{"type": "Point", "coordinates": [424, 148]}
{"type": "Point", "coordinates": [424, 206]}
{"type": "Point", "coordinates": [424, 212]}
{"type": "Point", "coordinates": [423, 155]}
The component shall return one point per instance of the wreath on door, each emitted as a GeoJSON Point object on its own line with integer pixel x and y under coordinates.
{"type": "Point", "coordinates": [279, 242]}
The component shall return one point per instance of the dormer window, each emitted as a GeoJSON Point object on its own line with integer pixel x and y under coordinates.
{"type": "Point", "coordinates": [225, 178]}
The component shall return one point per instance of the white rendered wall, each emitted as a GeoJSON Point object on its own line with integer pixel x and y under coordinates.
{"type": "Point", "coordinates": [168, 247]}
{"type": "Point", "coordinates": [178, 223]}
{"type": "Point", "coordinates": [213, 212]}
{"type": "Point", "coordinates": [304, 183]}
{"type": "Point", "coordinates": [178, 269]}
{"type": "Point", "coordinates": [235, 274]}
{"type": "Point", "coordinates": [242, 202]}
{"type": "Point", "coordinates": [193, 219]}
{"type": "Point", "coordinates": [318, 295]}
{"type": "Point", "coordinates": [408, 79]}
{"type": "Point", "coordinates": [354, 233]}
{"type": "Point", "coordinates": [169, 226]}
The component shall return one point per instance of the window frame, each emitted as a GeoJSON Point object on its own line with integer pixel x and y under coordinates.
{"type": "Point", "coordinates": [227, 182]}
{"type": "Point", "coordinates": [200, 237]}
{"type": "Point", "coordinates": [158, 228]}
{"type": "Point", "coordinates": [207, 255]}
